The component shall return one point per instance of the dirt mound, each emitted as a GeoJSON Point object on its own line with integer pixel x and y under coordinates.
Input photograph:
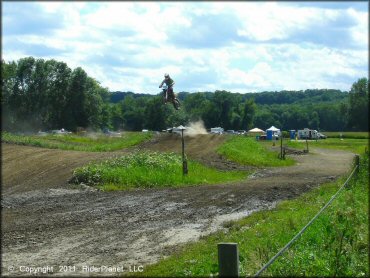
{"type": "Point", "coordinates": [201, 148]}
{"type": "Point", "coordinates": [195, 146]}
{"type": "Point", "coordinates": [47, 222]}
{"type": "Point", "coordinates": [27, 168]}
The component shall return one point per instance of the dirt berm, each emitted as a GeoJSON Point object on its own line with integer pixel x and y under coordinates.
{"type": "Point", "coordinates": [75, 230]}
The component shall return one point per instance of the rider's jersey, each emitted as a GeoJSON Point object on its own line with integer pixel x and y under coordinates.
{"type": "Point", "coordinates": [169, 82]}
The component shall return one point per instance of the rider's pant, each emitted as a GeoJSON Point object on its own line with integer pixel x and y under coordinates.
{"type": "Point", "coordinates": [170, 94]}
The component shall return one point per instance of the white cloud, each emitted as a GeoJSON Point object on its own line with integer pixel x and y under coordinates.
{"type": "Point", "coordinates": [236, 46]}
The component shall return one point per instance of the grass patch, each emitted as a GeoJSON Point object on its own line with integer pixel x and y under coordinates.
{"type": "Point", "coordinates": [353, 145]}
{"type": "Point", "coordinates": [149, 169]}
{"type": "Point", "coordinates": [336, 244]}
{"type": "Point", "coordinates": [248, 151]}
{"type": "Point", "coordinates": [92, 143]}
{"type": "Point", "coordinates": [353, 135]}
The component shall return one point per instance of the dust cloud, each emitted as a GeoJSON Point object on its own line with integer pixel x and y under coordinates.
{"type": "Point", "coordinates": [195, 128]}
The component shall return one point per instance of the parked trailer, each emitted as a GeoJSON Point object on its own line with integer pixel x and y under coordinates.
{"type": "Point", "coordinates": [308, 134]}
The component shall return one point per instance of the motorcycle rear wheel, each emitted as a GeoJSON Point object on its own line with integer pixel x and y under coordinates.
{"type": "Point", "coordinates": [176, 104]}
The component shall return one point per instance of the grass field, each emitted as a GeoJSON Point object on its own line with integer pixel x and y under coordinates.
{"type": "Point", "coordinates": [149, 169]}
{"type": "Point", "coordinates": [248, 151]}
{"type": "Point", "coordinates": [335, 245]}
{"type": "Point", "coordinates": [93, 142]}
{"type": "Point", "coordinates": [353, 135]}
{"type": "Point", "coordinates": [349, 144]}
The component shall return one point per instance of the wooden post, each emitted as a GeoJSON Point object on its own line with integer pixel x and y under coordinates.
{"type": "Point", "coordinates": [357, 163]}
{"type": "Point", "coordinates": [184, 162]}
{"type": "Point", "coordinates": [228, 260]}
{"type": "Point", "coordinates": [306, 145]}
{"type": "Point", "coordinates": [281, 146]}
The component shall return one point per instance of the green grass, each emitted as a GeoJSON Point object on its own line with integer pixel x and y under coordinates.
{"type": "Point", "coordinates": [93, 143]}
{"type": "Point", "coordinates": [149, 169]}
{"type": "Point", "coordinates": [353, 135]}
{"type": "Point", "coordinates": [336, 244]}
{"type": "Point", "coordinates": [248, 151]}
{"type": "Point", "coordinates": [353, 145]}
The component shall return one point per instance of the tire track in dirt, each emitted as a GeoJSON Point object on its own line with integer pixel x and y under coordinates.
{"type": "Point", "coordinates": [48, 222]}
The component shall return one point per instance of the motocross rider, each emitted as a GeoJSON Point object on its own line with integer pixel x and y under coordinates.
{"type": "Point", "coordinates": [169, 82]}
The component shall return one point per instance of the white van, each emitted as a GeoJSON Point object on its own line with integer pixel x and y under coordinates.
{"type": "Point", "coordinates": [217, 130]}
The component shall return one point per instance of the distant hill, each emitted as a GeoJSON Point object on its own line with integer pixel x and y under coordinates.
{"type": "Point", "coordinates": [263, 98]}
{"type": "Point", "coordinates": [119, 96]}
{"type": "Point", "coordinates": [291, 97]}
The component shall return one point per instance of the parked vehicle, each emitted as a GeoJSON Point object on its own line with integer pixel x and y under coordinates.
{"type": "Point", "coordinates": [60, 131]}
{"type": "Point", "coordinates": [230, 131]}
{"type": "Point", "coordinates": [321, 136]}
{"type": "Point", "coordinates": [111, 133]}
{"type": "Point", "coordinates": [217, 130]}
{"type": "Point", "coordinates": [173, 130]}
{"type": "Point", "coordinates": [308, 134]}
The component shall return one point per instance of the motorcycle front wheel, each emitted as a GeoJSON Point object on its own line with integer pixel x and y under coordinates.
{"type": "Point", "coordinates": [176, 104]}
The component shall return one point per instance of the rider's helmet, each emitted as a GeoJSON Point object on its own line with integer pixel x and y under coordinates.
{"type": "Point", "coordinates": [166, 75]}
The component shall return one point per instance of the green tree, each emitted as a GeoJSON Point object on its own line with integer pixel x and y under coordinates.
{"type": "Point", "coordinates": [133, 112]}
{"type": "Point", "coordinates": [263, 119]}
{"type": "Point", "coordinates": [93, 103]}
{"type": "Point", "coordinates": [116, 119]}
{"type": "Point", "coordinates": [8, 83]}
{"type": "Point", "coordinates": [249, 111]}
{"type": "Point", "coordinates": [211, 115]}
{"type": "Point", "coordinates": [222, 110]}
{"type": "Point", "coordinates": [55, 99]}
{"type": "Point", "coordinates": [314, 121]}
{"type": "Point", "coordinates": [106, 115]}
{"type": "Point", "coordinates": [194, 105]}
{"type": "Point", "coordinates": [23, 93]}
{"type": "Point", "coordinates": [84, 101]}
{"type": "Point", "coordinates": [358, 115]}
{"type": "Point", "coordinates": [156, 114]}
{"type": "Point", "coordinates": [223, 102]}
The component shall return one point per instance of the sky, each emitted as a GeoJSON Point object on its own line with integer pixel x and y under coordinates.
{"type": "Point", "coordinates": [237, 46]}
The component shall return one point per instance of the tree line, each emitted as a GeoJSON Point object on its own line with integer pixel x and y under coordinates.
{"type": "Point", "coordinates": [40, 94]}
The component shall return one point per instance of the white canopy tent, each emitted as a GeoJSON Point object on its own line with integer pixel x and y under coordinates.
{"type": "Point", "coordinates": [256, 130]}
{"type": "Point", "coordinates": [272, 128]}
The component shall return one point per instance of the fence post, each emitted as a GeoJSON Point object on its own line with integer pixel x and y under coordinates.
{"type": "Point", "coordinates": [281, 147]}
{"type": "Point", "coordinates": [306, 145]}
{"type": "Point", "coordinates": [357, 163]}
{"type": "Point", "coordinates": [228, 260]}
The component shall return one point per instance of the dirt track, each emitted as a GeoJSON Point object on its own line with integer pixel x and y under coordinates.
{"type": "Point", "coordinates": [47, 222]}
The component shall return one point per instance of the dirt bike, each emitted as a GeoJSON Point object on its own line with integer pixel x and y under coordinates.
{"type": "Point", "coordinates": [168, 97]}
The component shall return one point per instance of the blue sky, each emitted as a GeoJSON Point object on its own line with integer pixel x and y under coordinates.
{"type": "Point", "coordinates": [204, 46]}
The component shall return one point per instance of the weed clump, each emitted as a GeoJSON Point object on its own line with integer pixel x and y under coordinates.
{"type": "Point", "coordinates": [148, 169]}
